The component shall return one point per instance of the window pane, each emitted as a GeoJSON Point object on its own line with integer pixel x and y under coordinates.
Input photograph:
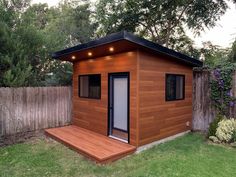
{"type": "Point", "coordinates": [179, 87]}
{"type": "Point", "coordinates": [170, 87]}
{"type": "Point", "coordinates": [89, 86]}
{"type": "Point", "coordinates": [94, 86]}
{"type": "Point", "coordinates": [84, 85]}
{"type": "Point", "coordinates": [174, 87]}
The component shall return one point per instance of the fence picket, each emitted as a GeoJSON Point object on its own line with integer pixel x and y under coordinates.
{"type": "Point", "coordinates": [34, 108]}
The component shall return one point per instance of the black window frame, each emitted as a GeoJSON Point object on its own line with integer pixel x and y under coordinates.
{"type": "Point", "coordinates": [170, 74]}
{"type": "Point", "coordinates": [82, 75]}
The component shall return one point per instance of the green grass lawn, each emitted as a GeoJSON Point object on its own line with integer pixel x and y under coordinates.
{"type": "Point", "coordinates": [188, 156]}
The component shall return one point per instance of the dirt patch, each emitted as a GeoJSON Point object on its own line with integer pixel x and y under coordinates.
{"type": "Point", "coordinates": [19, 137]}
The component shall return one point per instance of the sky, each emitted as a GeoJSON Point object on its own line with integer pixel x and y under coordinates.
{"type": "Point", "coordinates": [223, 34]}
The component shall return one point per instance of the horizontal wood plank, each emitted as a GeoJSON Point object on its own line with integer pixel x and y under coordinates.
{"type": "Point", "coordinates": [92, 114]}
{"type": "Point", "coordinates": [159, 118]}
{"type": "Point", "coordinates": [97, 147]}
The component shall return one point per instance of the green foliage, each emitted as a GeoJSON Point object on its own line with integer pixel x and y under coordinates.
{"type": "Point", "coordinates": [232, 55]}
{"type": "Point", "coordinates": [30, 33]}
{"type": "Point", "coordinates": [226, 130]}
{"type": "Point", "coordinates": [18, 74]}
{"type": "Point", "coordinates": [213, 125]}
{"type": "Point", "coordinates": [214, 55]}
{"type": "Point", "coordinates": [163, 22]}
{"type": "Point", "coordinates": [221, 85]}
{"type": "Point", "coordinates": [15, 69]}
{"type": "Point", "coordinates": [82, 17]}
{"type": "Point", "coordinates": [234, 136]}
{"type": "Point", "coordinates": [60, 76]}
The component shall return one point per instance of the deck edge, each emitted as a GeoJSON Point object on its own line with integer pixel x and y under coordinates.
{"type": "Point", "coordinates": [90, 156]}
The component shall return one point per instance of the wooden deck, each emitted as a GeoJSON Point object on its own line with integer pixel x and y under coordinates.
{"type": "Point", "coordinates": [97, 147]}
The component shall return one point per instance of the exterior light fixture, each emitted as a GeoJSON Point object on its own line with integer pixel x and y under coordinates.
{"type": "Point", "coordinates": [90, 54]}
{"type": "Point", "coordinates": [73, 57]}
{"type": "Point", "coordinates": [111, 49]}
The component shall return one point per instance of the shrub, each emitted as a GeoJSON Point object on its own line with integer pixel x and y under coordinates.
{"type": "Point", "coordinates": [234, 136]}
{"type": "Point", "coordinates": [221, 88]}
{"type": "Point", "coordinates": [213, 125]}
{"type": "Point", "coordinates": [225, 130]}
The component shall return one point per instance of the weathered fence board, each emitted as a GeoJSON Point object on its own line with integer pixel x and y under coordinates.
{"type": "Point", "coordinates": [34, 108]}
{"type": "Point", "coordinates": [203, 110]}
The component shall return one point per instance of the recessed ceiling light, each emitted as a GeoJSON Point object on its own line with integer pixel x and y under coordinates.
{"type": "Point", "coordinates": [90, 54]}
{"type": "Point", "coordinates": [73, 57]}
{"type": "Point", "coordinates": [111, 49]}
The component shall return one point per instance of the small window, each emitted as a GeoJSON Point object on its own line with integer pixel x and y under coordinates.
{"type": "Point", "coordinates": [90, 86]}
{"type": "Point", "coordinates": [175, 87]}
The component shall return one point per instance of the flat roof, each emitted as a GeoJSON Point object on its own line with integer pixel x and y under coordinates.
{"type": "Point", "coordinates": [137, 42]}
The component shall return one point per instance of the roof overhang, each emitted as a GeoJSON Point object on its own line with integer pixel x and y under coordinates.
{"type": "Point", "coordinates": [120, 42]}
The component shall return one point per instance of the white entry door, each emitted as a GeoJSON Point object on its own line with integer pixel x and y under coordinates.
{"type": "Point", "coordinates": [119, 105]}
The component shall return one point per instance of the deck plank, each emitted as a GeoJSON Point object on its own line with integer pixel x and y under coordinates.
{"type": "Point", "coordinates": [98, 147]}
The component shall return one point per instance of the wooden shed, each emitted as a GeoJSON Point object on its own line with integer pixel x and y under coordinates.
{"type": "Point", "coordinates": [128, 90]}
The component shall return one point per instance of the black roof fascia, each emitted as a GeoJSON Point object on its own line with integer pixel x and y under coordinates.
{"type": "Point", "coordinates": [134, 39]}
{"type": "Point", "coordinates": [98, 42]}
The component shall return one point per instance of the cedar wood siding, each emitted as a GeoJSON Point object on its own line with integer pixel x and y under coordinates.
{"type": "Point", "coordinates": [159, 118]}
{"type": "Point", "coordinates": [92, 114]}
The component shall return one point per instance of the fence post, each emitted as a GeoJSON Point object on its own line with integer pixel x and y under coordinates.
{"type": "Point", "coordinates": [203, 112]}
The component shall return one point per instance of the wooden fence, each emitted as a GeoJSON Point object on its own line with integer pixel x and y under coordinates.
{"type": "Point", "coordinates": [203, 110]}
{"type": "Point", "coordinates": [30, 109]}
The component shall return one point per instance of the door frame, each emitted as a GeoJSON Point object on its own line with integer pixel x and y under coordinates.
{"type": "Point", "coordinates": [111, 93]}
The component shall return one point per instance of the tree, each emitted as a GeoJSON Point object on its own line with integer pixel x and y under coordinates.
{"type": "Point", "coordinates": [61, 75]}
{"type": "Point", "coordinates": [213, 55]}
{"type": "Point", "coordinates": [70, 24]}
{"type": "Point", "coordinates": [232, 54]}
{"type": "Point", "coordinates": [62, 26]}
{"type": "Point", "coordinates": [30, 33]}
{"type": "Point", "coordinates": [15, 69]}
{"type": "Point", "coordinates": [163, 22]}
{"type": "Point", "coordinates": [71, 21]}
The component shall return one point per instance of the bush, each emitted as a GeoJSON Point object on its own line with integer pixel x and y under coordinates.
{"type": "Point", "coordinates": [213, 125]}
{"type": "Point", "coordinates": [234, 136]}
{"type": "Point", "coordinates": [226, 130]}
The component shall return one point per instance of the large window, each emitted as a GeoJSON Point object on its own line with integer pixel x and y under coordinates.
{"type": "Point", "coordinates": [90, 86]}
{"type": "Point", "coordinates": [175, 87]}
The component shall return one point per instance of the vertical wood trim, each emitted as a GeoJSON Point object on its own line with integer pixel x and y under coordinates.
{"type": "Point", "coordinates": [137, 99]}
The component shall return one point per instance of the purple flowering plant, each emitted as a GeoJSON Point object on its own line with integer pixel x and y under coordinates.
{"type": "Point", "coordinates": [221, 89]}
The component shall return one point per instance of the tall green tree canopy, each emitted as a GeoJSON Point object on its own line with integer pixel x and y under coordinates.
{"type": "Point", "coordinates": [164, 22]}
{"type": "Point", "coordinates": [30, 33]}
